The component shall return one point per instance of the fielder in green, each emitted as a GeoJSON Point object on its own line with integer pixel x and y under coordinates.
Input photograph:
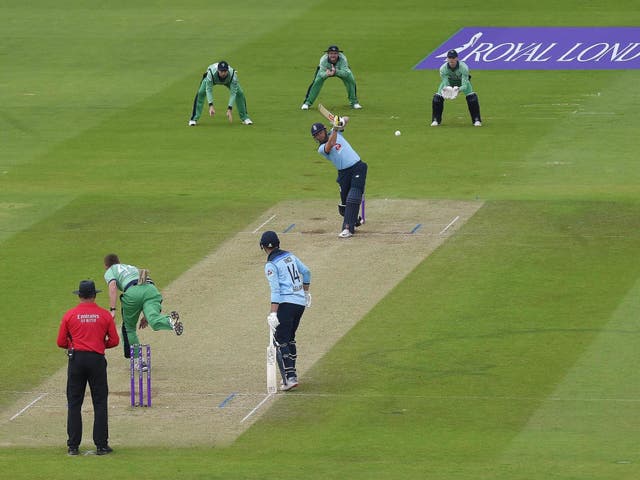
{"type": "Point", "coordinates": [454, 78]}
{"type": "Point", "coordinates": [139, 295]}
{"type": "Point", "coordinates": [332, 64]}
{"type": "Point", "coordinates": [220, 74]}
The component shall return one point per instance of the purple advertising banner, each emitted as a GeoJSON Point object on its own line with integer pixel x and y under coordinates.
{"type": "Point", "coordinates": [541, 48]}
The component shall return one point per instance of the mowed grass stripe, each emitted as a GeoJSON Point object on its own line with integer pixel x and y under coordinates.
{"type": "Point", "coordinates": [393, 36]}
{"type": "Point", "coordinates": [482, 344]}
{"type": "Point", "coordinates": [597, 417]}
{"type": "Point", "coordinates": [587, 145]}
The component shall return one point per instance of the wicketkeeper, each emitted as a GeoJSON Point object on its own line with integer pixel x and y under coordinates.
{"type": "Point", "coordinates": [352, 172]}
{"type": "Point", "coordinates": [332, 64]}
{"type": "Point", "coordinates": [455, 78]}
{"type": "Point", "coordinates": [220, 74]}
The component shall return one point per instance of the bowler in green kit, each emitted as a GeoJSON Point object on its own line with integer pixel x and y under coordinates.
{"type": "Point", "coordinates": [139, 295]}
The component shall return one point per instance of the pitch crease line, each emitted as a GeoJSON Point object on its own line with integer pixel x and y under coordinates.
{"type": "Point", "coordinates": [267, 221]}
{"type": "Point", "coordinates": [450, 223]}
{"type": "Point", "coordinates": [257, 407]}
{"type": "Point", "coordinates": [27, 407]}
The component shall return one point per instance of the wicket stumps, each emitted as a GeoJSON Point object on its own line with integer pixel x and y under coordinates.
{"type": "Point", "coordinates": [140, 367]}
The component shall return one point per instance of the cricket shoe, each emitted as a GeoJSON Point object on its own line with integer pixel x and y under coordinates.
{"type": "Point", "coordinates": [247, 121]}
{"type": "Point", "coordinates": [176, 324]}
{"type": "Point", "coordinates": [477, 123]}
{"type": "Point", "coordinates": [345, 233]}
{"type": "Point", "coordinates": [356, 106]}
{"type": "Point", "coordinates": [73, 451]}
{"type": "Point", "coordinates": [192, 123]}
{"type": "Point", "coordinates": [290, 384]}
{"type": "Point", "coordinates": [106, 450]}
{"type": "Point", "coordinates": [304, 106]}
{"type": "Point", "coordinates": [435, 123]}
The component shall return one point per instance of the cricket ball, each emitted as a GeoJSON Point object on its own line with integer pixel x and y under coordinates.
{"type": "Point", "coordinates": [397, 134]}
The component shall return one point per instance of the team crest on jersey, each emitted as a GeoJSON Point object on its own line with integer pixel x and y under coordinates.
{"type": "Point", "coordinates": [269, 272]}
{"type": "Point", "coordinates": [338, 146]}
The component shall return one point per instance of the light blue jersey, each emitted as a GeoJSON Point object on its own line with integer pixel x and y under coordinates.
{"type": "Point", "coordinates": [342, 155]}
{"type": "Point", "coordinates": [286, 275]}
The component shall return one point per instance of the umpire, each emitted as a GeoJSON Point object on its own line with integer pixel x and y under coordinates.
{"type": "Point", "coordinates": [86, 331]}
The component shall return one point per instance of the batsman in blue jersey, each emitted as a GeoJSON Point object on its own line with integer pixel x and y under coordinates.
{"type": "Point", "coordinates": [352, 172]}
{"type": "Point", "coordinates": [289, 281]}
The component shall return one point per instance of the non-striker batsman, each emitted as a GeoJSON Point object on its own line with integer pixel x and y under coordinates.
{"type": "Point", "coordinates": [289, 281]}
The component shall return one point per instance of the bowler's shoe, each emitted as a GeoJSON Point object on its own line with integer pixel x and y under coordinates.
{"type": "Point", "coordinates": [176, 324]}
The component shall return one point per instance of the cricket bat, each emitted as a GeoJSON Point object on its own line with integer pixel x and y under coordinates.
{"type": "Point", "coordinates": [331, 117]}
{"type": "Point", "coordinates": [326, 113]}
{"type": "Point", "coordinates": [271, 364]}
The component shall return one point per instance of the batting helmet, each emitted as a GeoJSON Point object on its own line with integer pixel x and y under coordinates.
{"type": "Point", "coordinates": [317, 128]}
{"type": "Point", "coordinates": [269, 239]}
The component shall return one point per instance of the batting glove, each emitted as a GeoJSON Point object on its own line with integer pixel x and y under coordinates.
{"type": "Point", "coordinates": [307, 297]}
{"type": "Point", "coordinates": [338, 122]}
{"type": "Point", "coordinates": [273, 321]}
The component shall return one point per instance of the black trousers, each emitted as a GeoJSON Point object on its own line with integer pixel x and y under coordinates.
{"type": "Point", "coordinates": [289, 316]}
{"type": "Point", "coordinates": [352, 177]}
{"type": "Point", "coordinates": [91, 368]}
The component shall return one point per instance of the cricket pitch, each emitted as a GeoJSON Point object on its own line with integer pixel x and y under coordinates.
{"type": "Point", "coordinates": [209, 384]}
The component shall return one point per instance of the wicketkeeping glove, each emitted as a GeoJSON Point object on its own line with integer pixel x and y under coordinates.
{"type": "Point", "coordinates": [447, 92]}
{"type": "Point", "coordinates": [273, 321]}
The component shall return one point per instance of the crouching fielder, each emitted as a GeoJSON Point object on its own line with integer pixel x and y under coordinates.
{"type": "Point", "coordinates": [289, 281]}
{"type": "Point", "coordinates": [455, 78]}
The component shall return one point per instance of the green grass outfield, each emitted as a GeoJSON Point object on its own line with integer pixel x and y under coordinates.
{"type": "Point", "coordinates": [510, 353]}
